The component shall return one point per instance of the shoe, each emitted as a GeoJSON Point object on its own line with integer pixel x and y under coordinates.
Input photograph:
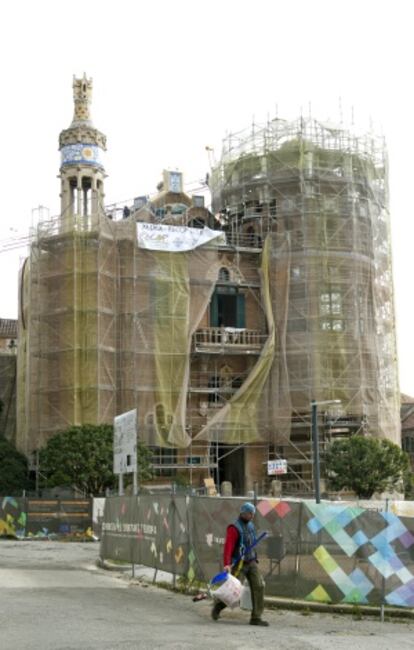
{"type": "Point", "coordinates": [215, 612]}
{"type": "Point", "coordinates": [258, 621]}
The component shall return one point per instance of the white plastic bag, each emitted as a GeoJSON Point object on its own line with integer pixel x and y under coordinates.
{"type": "Point", "coordinates": [246, 598]}
{"type": "Point", "coordinates": [229, 592]}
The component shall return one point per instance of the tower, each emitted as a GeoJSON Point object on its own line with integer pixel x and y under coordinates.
{"type": "Point", "coordinates": [68, 296]}
{"type": "Point", "coordinates": [325, 190]}
{"type": "Point", "coordinates": [82, 148]}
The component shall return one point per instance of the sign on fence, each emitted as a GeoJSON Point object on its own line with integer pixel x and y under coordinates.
{"type": "Point", "coordinates": [39, 517]}
{"type": "Point", "coordinates": [276, 467]}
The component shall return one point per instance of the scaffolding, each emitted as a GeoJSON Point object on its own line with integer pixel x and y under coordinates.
{"type": "Point", "coordinates": [8, 393]}
{"type": "Point", "coordinates": [327, 189]}
{"type": "Point", "coordinates": [106, 326]}
{"type": "Point", "coordinates": [67, 340]}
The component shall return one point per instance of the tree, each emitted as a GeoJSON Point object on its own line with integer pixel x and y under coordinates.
{"type": "Point", "coordinates": [365, 465]}
{"type": "Point", "coordinates": [13, 470]}
{"type": "Point", "coordinates": [82, 457]}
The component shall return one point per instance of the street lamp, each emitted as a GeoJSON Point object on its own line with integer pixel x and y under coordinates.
{"type": "Point", "coordinates": [315, 445]}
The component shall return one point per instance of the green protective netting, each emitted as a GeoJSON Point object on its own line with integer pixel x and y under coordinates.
{"type": "Point", "coordinates": [327, 190]}
{"type": "Point", "coordinates": [260, 409]}
{"type": "Point", "coordinates": [106, 327]}
{"type": "Point", "coordinates": [67, 347]}
{"type": "Point", "coordinates": [171, 334]}
{"type": "Point", "coordinates": [173, 292]}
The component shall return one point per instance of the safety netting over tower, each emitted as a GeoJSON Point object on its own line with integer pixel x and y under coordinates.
{"type": "Point", "coordinates": [164, 289]}
{"type": "Point", "coordinates": [118, 314]}
{"type": "Point", "coordinates": [260, 410]}
{"type": "Point", "coordinates": [67, 334]}
{"type": "Point", "coordinates": [326, 188]}
{"type": "Point", "coordinates": [109, 311]}
{"type": "Point", "coordinates": [164, 293]}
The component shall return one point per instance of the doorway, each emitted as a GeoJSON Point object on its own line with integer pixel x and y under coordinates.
{"type": "Point", "coordinates": [231, 467]}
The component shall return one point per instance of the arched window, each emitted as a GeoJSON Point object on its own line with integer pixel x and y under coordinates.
{"type": "Point", "coordinates": [86, 196]}
{"type": "Point", "coordinates": [73, 194]}
{"type": "Point", "coordinates": [224, 274]}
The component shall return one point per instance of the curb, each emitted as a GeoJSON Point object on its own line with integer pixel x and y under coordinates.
{"type": "Point", "coordinates": [273, 602]}
{"type": "Point", "coordinates": [109, 566]}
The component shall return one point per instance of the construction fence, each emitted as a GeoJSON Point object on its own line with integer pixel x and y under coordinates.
{"type": "Point", "coordinates": [328, 552]}
{"type": "Point", "coordinates": [34, 517]}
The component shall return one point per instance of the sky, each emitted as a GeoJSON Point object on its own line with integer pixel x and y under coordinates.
{"type": "Point", "coordinates": [172, 77]}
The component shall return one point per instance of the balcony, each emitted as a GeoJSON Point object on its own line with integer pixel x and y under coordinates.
{"type": "Point", "coordinates": [228, 340]}
{"type": "Point", "coordinates": [244, 241]}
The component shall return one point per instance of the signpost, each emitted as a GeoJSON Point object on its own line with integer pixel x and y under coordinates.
{"type": "Point", "coordinates": [125, 448]}
{"type": "Point", "coordinates": [276, 467]}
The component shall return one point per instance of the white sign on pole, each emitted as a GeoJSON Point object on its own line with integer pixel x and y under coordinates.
{"type": "Point", "coordinates": [275, 467]}
{"type": "Point", "coordinates": [125, 442]}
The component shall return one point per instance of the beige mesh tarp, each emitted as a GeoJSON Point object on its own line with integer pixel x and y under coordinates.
{"type": "Point", "coordinates": [101, 346]}
{"type": "Point", "coordinates": [260, 409]}
{"type": "Point", "coordinates": [67, 335]}
{"type": "Point", "coordinates": [173, 291]}
{"type": "Point", "coordinates": [106, 326]}
{"type": "Point", "coordinates": [327, 189]}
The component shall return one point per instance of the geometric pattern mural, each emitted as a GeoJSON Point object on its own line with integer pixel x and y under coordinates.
{"type": "Point", "coordinates": [334, 519]}
{"type": "Point", "coordinates": [355, 586]}
{"type": "Point", "coordinates": [12, 517]}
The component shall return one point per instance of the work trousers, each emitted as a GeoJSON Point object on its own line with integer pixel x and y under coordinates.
{"type": "Point", "coordinates": [251, 572]}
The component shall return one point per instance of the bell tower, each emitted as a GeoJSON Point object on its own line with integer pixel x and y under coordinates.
{"type": "Point", "coordinates": [82, 147]}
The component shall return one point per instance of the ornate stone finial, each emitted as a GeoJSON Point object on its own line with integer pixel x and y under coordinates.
{"type": "Point", "coordinates": [81, 130]}
{"type": "Point", "coordinates": [82, 97]}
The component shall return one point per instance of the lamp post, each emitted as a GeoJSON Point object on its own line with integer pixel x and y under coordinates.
{"type": "Point", "coordinates": [315, 445]}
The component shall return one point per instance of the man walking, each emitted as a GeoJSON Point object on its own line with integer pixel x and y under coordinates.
{"type": "Point", "coordinates": [240, 537]}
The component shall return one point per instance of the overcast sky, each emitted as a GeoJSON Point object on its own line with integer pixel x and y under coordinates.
{"type": "Point", "coordinates": [171, 77]}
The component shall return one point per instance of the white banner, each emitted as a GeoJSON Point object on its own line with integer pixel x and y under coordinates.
{"type": "Point", "coordinates": [125, 442]}
{"type": "Point", "coordinates": [176, 239]}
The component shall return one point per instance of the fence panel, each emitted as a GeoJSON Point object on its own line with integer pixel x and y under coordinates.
{"type": "Point", "coordinates": [319, 552]}
{"type": "Point", "coordinates": [12, 517]}
{"type": "Point", "coordinates": [58, 516]}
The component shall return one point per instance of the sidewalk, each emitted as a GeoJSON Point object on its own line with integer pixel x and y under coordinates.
{"type": "Point", "coordinates": [148, 574]}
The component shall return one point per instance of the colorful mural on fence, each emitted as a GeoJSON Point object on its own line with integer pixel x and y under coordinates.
{"type": "Point", "coordinates": [36, 517]}
{"type": "Point", "coordinates": [12, 517]}
{"type": "Point", "coordinates": [147, 531]}
{"type": "Point", "coordinates": [319, 552]}
{"type": "Point", "coordinates": [384, 548]}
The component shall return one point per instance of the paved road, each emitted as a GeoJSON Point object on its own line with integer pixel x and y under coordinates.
{"type": "Point", "coordinates": [53, 596]}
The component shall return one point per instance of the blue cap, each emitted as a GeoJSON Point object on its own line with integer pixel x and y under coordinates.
{"type": "Point", "coordinates": [248, 507]}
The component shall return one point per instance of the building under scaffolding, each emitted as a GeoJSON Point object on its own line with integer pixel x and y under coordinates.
{"type": "Point", "coordinates": [326, 191]}
{"type": "Point", "coordinates": [8, 347]}
{"type": "Point", "coordinates": [219, 326]}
